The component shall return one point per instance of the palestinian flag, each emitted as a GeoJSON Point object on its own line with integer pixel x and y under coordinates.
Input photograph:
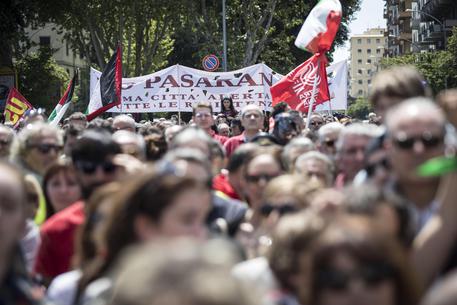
{"type": "Point", "coordinates": [58, 112]}
{"type": "Point", "coordinates": [320, 27]}
{"type": "Point", "coordinates": [15, 108]}
{"type": "Point", "coordinates": [107, 92]}
{"type": "Point", "coordinates": [296, 88]}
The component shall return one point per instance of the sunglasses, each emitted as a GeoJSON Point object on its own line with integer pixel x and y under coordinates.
{"type": "Point", "coordinates": [428, 141]}
{"type": "Point", "coordinates": [330, 143]}
{"type": "Point", "coordinates": [371, 275]}
{"type": "Point", "coordinates": [257, 178]}
{"type": "Point", "coordinates": [89, 167]}
{"type": "Point", "coordinates": [202, 115]}
{"type": "Point", "coordinates": [371, 168]}
{"type": "Point", "coordinates": [46, 148]}
{"type": "Point", "coordinates": [282, 209]}
{"type": "Point", "coordinates": [316, 123]}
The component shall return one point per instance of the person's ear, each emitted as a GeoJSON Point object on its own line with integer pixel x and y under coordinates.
{"type": "Point", "coordinates": [145, 229]}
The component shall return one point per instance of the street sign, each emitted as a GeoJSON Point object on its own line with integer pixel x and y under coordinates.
{"type": "Point", "coordinates": [210, 63]}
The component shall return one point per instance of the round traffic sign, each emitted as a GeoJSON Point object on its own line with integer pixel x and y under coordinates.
{"type": "Point", "coordinates": [210, 62]}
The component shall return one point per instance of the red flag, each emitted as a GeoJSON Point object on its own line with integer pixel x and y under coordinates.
{"type": "Point", "coordinates": [296, 87]}
{"type": "Point", "coordinates": [110, 86]}
{"type": "Point", "coordinates": [15, 108]}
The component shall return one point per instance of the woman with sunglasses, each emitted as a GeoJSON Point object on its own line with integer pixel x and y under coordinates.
{"type": "Point", "coordinates": [160, 204]}
{"type": "Point", "coordinates": [355, 263]}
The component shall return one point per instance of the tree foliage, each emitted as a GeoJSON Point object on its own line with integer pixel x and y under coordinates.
{"type": "Point", "coordinates": [360, 109]}
{"type": "Point", "coordinates": [439, 68]}
{"type": "Point", "coordinates": [41, 79]}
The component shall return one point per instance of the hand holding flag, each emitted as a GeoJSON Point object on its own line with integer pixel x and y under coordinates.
{"type": "Point", "coordinates": [15, 108]}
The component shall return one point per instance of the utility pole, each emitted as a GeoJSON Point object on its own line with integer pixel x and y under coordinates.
{"type": "Point", "coordinates": [224, 37]}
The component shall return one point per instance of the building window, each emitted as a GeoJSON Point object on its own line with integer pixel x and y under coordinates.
{"type": "Point", "coordinates": [359, 51]}
{"type": "Point", "coordinates": [45, 41]}
{"type": "Point", "coordinates": [360, 82]}
{"type": "Point", "coordinates": [359, 71]}
{"type": "Point", "coordinates": [378, 51]}
{"type": "Point", "coordinates": [359, 61]}
{"type": "Point", "coordinates": [378, 40]}
{"type": "Point", "coordinates": [369, 71]}
{"type": "Point", "coordinates": [359, 41]}
{"type": "Point", "coordinates": [369, 51]}
{"type": "Point", "coordinates": [360, 92]}
{"type": "Point", "coordinates": [368, 40]}
{"type": "Point", "coordinates": [368, 61]}
{"type": "Point", "coordinates": [369, 82]}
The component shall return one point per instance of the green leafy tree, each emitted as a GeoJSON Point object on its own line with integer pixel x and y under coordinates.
{"type": "Point", "coordinates": [360, 109]}
{"type": "Point", "coordinates": [41, 79]}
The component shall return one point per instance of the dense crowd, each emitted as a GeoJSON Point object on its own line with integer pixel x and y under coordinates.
{"type": "Point", "coordinates": [235, 207]}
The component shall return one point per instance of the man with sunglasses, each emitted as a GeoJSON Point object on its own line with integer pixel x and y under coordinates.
{"type": "Point", "coordinates": [92, 158]}
{"type": "Point", "coordinates": [415, 134]}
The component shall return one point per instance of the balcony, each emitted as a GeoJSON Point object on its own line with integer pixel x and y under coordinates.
{"type": "Point", "coordinates": [415, 24]}
{"type": "Point", "coordinates": [437, 8]}
{"type": "Point", "coordinates": [406, 36]}
{"type": "Point", "coordinates": [432, 33]}
{"type": "Point", "coordinates": [405, 15]}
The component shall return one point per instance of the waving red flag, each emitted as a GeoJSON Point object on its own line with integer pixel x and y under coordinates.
{"type": "Point", "coordinates": [15, 108]}
{"type": "Point", "coordinates": [296, 87]}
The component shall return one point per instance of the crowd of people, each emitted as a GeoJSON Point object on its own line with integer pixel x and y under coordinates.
{"type": "Point", "coordinates": [235, 207]}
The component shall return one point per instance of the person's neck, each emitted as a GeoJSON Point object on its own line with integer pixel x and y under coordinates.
{"type": "Point", "coordinates": [249, 134]}
{"type": "Point", "coordinates": [421, 193]}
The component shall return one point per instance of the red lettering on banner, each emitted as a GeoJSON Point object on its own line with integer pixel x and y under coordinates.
{"type": "Point", "coordinates": [173, 104]}
{"type": "Point", "coordinates": [188, 104]}
{"type": "Point", "coordinates": [161, 105]}
{"type": "Point", "coordinates": [246, 79]}
{"type": "Point", "coordinates": [149, 82]}
{"type": "Point", "coordinates": [169, 80]}
{"type": "Point", "coordinates": [259, 94]}
{"type": "Point", "coordinates": [235, 96]}
{"type": "Point", "coordinates": [155, 97]}
{"type": "Point", "coordinates": [146, 105]}
{"type": "Point", "coordinates": [191, 97]}
{"type": "Point", "coordinates": [237, 104]}
{"type": "Point", "coordinates": [186, 80]}
{"type": "Point", "coordinates": [126, 98]}
{"type": "Point", "coordinates": [203, 80]}
{"type": "Point", "coordinates": [227, 81]}
{"type": "Point", "coordinates": [264, 79]}
{"type": "Point", "coordinates": [138, 99]}
{"type": "Point", "coordinates": [246, 96]}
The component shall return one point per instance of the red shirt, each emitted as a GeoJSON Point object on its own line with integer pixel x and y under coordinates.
{"type": "Point", "coordinates": [233, 144]}
{"type": "Point", "coordinates": [219, 138]}
{"type": "Point", "coordinates": [221, 183]}
{"type": "Point", "coordinates": [57, 241]}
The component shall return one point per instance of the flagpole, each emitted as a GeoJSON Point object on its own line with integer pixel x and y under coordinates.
{"type": "Point", "coordinates": [313, 92]}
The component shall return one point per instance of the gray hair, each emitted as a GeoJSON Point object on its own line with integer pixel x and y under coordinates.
{"type": "Point", "coordinates": [359, 129]}
{"type": "Point", "coordinates": [190, 134]}
{"type": "Point", "coordinates": [251, 107]}
{"type": "Point", "coordinates": [22, 141]}
{"type": "Point", "coordinates": [127, 137]}
{"type": "Point", "coordinates": [124, 118]}
{"type": "Point", "coordinates": [222, 125]}
{"type": "Point", "coordinates": [315, 155]}
{"type": "Point", "coordinates": [191, 155]}
{"type": "Point", "coordinates": [329, 128]}
{"type": "Point", "coordinates": [299, 142]}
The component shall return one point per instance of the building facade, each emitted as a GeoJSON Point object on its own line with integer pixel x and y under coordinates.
{"type": "Point", "coordinates": [367, 49]}
{"type": "Point", "coordinates": [49, 36]}
{"type": "Point", "coordinates": [399, 32]}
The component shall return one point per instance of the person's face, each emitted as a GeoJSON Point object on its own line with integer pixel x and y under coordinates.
{"type": "Point", "coordinates": [351, 157]}
{"type": "Point", "coordinates": [295, 152]}
{"type": "Point", "coordinates": [327, 145]}
{"type": "Point", "coordinates": [316, 122]}
{"type": "Point", "coordinates": [80, 123]}
{"type": "Point", "coordinates": [258, 173]}
{"type": "Point", "coordinates": [186, 215]}
{"type": "Point", "coordinates": [351, 283]}
{"type": "Point", "coordinates": [42, 152]}
{"type": "Point", "coordinates": [63, 190]}
{"type": "Point", "coordinates": [377, 167]}
{"type": "Point", "coordinates": [273, 208]}
{"type": "Point", "coordinates": [203, 118]}
{"type": "Point", "coordinates": [252, 120]}
{"type": "Point", "coordinates": [12, 212]}
{"type": "Point", "coordinates": [315, 170]}
{"type": "Point", "coordinates": [226, 104]}
{"type": "Point", "coordinates": [91, 175]}
{"type": "Point", "coordinates": [236, 130]}
{"type": "Point", "coordinates": [5, 144]}
{"type": "Point", "coordinates": [413, 142]}
{"type": "Point", "coordinates": [224, 131]}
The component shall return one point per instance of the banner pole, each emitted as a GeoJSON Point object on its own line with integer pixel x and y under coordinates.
{"type": "Point", "coordinates": [313, 92]}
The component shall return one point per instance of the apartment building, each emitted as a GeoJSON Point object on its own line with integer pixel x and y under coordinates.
{"type": "Point", "coordinates": [367, 49]}
{"type": "Point", "coordinates": [399, 32]}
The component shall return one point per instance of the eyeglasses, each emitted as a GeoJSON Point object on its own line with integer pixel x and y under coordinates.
{"type": "Point", "coordinates": [330, 143]}
{"type": "Point", "coordinates": [255, 115]}
{"type": "Point", "coordinates": [372, 275]}
{"type": "Point", "coordinates": [202, 115]}
{"type": "Point", "coordinates": [316, 123]}
{"type": "Point", "coordinates": [428, 140]}
{"type": "Point", "coordinates": [282, 209]}
{"type": "Point", "coordinates": [371, 168]}
{"type": "Point", "coordinates": [46, 148]}
{"type": "Point", "coordinates": [257, 178]}
{"type": "Point", "coordinates": [89, 167]}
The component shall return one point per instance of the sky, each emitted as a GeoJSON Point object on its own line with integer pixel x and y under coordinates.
{"type": "Point", "coordinates": [369, 16]}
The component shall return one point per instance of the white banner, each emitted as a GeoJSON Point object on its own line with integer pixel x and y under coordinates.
{"type": "Point", "coordinates": [177, 87]}
{"type": "Point", "coordinates": [337, 75]}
